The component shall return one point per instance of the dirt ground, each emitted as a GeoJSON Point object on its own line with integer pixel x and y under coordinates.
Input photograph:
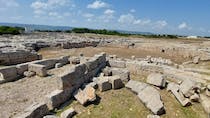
{"type": "Point", "coordinates": [120, 52]}
{"type": "Point", "coordinates": [17, 96]}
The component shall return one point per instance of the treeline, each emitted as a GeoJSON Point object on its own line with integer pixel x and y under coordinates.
{"type": "Point", "coordinates": [109, 32]}
{"type": "Point", "coordinates": [11, 30]}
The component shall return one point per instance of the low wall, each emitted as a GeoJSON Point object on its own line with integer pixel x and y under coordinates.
{"type": "Point", "coordinates": [17, 57]}
{"type": "Point", "coordinates": [74, 78]}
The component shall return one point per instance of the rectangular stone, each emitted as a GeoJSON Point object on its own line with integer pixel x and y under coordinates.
{"type": "Point", "coordinates": [40, 70]}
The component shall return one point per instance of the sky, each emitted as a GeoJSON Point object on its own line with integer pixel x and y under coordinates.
{"type": "Point", "coordinates": [182, 17]}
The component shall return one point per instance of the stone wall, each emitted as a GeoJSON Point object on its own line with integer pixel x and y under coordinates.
{"type": "Point", "coordinates": [74, 78]}
{"type": "Point", "coordinates": [17, 57]}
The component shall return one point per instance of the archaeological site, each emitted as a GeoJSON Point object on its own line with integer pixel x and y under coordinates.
{"type": "Point", "coordinates": [65, 75]}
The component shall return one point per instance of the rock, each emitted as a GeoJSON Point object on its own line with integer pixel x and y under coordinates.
{"type": "Point", "coordinates": [157, 80]}
{"type": "Point", "coordinates": [107, 71]}
{"type": "Point", "coordinates": [104, 85]}
{"type": "Point", "coordinates": [122, 72]}
{"type": "Point", "coordinates": [69, 113]}
{"type": "Point", "coordinates": [135, 86]}
{"type": "Point", "coordinates": [133, 57]}
{"type": "Point", "coordinates": [21, 68]}
{"type": "Point", "coordinates": [116, 82]}
{"type": "Point", "coordinates": [8, 73]}
{"type": "Point", "coordinates": [50, 116]}
{"type": "Point", "coordinates": [40, 70]}
{"type": "Point", "coordinates": [195, 97]}
{"type": "Point", "coordinates": [153, 116]}
{"type": "Point", "coordinates": [205, 102]}
{"type": "Point", "coordinates": [152, 100]}
{"type": "Point", "coordinates": [188, 87]}
{"type": "Point", "coordinates": [75, 60]}
{"type": "Point", "coordinates": [208, 92]}
{"type": "Point", "coordinates": [92, 84]}
{"type": "Point", "coordinates": [58, 65]}
{"type": "Point", "coordinates": [117, 63]}
{"type": "Point", "coordinates": [174, 88]}
{"type": "Point", "coordinates": [86, 95]}
{"type": "Point", "coordinates": [29, 74]}
{"type": "Point", "coordinates": [35, 111]}
{"type": "Point", "coordinates": [196, 60]}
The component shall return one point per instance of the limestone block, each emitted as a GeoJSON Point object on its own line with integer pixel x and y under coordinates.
{"type": "Point", "coordinates": [36, 110]}
{"type": "Point", "coordinates": [116, 82]}
{"type": "Point", "coordinates": [69, 113]}
{"type": "Point", "coordinates": [104, 85]}
{"type": "Point", "coordinates": [117, 63]}
{"type": "Point", "coordinates": [40, 70]}
{"type": "Point", "coordinates": [123, 73]}
{"type": "Point", "coordinates": [8, 74]}
{"type": "Point", "coordinates": [156, 79]}
{"type": "Point", "coordinates": [21, 68]}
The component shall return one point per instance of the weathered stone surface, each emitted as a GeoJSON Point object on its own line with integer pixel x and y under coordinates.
{"type": "Point", "coordinates": [208, 90]}
{"type": "Point", "coordinates": [29, 73]}
{"type": "Point", "coordinates": [57, 97]}
{"type": "Point", "coordinates": [50, 116]}
{"type": "Point", "coordinates": [151, 98]}
{"type": "Point", "coordinates": [188, 87]}
{"type": "Point", "coordinates": [196, 60]}
{"type": "Point", "coordinates": [75, 60]}
{"type": "Point", "coordinates": [58, 65]}
{"type": "Point", "coordinates": [174, 88]}
{"type": "Point", "coordinates": [148, 95]}
{"type": "Point", "coordinates": [21, 68]}
{"type": "Point", "coordinates": [40, 70]}
{"type": "Point", "coordinates": [8, 74]}
{"type": "Point", "coordinates": [35, 111]}
{"type": "Point", "coordinates": [64, 60]}
{"type": "Point", "coordinates": [153, 116]}
{"type": "Point", "coordinates": [116, 82]}
{"type": "Point", "coordinates": [123, 73]}
{"type": "Point", "coordinates": [69, 113]}
{"type": "Point", "coordinates": [107, 71]}
{"type": "Point", "coordinates": [48, 63]}
{"type": "Point", "coordinates": [86, 95]}
{"type": "Point", "coordinates": [117, 63]}
{"type": "Point", "coordinates": [205, 101]}
{"type": "Point", "coordinates": [135, 86]}
{"type": "Point", "coordinates": [195, 97]}
{"type": "Point", "coordinates": [157, 80]}
{"type": "Point", "coordinates": [92, 84]}
{"type": "Point", "coordinates": [104, 85]}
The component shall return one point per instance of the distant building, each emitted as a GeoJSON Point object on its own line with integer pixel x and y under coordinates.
{"type": "Point", "coordinates": [192, 37]}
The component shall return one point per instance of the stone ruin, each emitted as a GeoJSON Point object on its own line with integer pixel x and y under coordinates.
{"type": "Point", "coordinates": [109, 72]}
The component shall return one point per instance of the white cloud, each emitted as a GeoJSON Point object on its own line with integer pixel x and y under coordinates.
{"type": "Point", "coordinates": [126, 18]}
{"type": "Point", "coordinates": [39, 12]}
{"type": "Point", "coordinates": [183, 26]}
{"type": "Point", "coordinates": [109, 12]}
{"type": "Point", "coordinates": [130, 19]}
{"type": "Point", "coordinates": [88, 15]}
{"type": "Point", "coordinates": [49, 4]}
{"type": "Point", "coordinates": [160, 24]}
{"type": "Point", "coordinates": [97, 5]}
{"type": "Point", "coordinates": [132, 10]}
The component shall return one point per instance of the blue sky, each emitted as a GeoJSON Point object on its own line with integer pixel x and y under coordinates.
{"type": "Point", "coordinates": [184, 17]}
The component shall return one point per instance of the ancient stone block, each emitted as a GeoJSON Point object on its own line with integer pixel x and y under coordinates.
{"type": "Point", "coordinates": [35, 111]}
{"type": "Point", "coordinates": [156, 79]}
{"type": "Point", "coordinates": [8, 74]}
{"type": "Point", "coordinates": [123, 73]}
{"type": "Point", "coordinates": [116, 82]}
{"type": "Point", "coordinates": [85, 95]}
{"type": "Point", "coordinates": [104, 85]}
{"type": "Point", "coordinates": [57, 97]}
{"type": "Point", "coordinates": [117, 63]}
{"type": "Point", "coordinates": [152, 100]}
{"type": "Point", "coordinates": [40, 70]}
{"type": "Point", "coordinates": [21, 68]}
{"type": "Point", "coordinates": [187, 87]}
{"type": "Point", "coordinates": [58, 65]}
{"type": "Point", "coordinates": [69, 113]}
